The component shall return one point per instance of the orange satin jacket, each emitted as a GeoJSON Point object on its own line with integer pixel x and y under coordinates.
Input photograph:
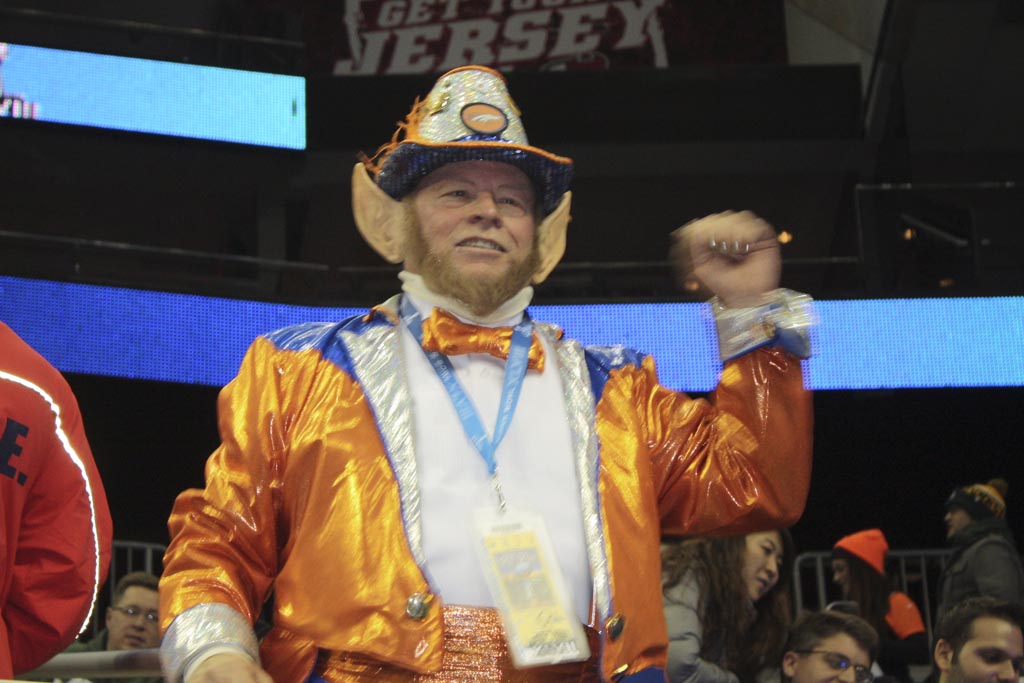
{"type": "Point", "coordinates": [313, 492]}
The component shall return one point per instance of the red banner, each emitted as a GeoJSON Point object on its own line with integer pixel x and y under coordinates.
{"type": "Point", "coordinates": [432, 36]}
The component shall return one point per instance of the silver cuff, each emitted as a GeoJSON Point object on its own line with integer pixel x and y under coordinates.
{"type": "Point", "coordinates": [784, 319]}
{"type": "Point", "coordinates": [199, 628]}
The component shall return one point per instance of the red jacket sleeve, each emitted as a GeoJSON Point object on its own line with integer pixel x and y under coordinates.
{"type": "Point", "coordinates": [57, 528]}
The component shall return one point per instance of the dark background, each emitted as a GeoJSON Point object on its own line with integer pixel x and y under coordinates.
{"type": "Point", "coordinates": [882, 459]}
{"type": "Point", "coordinates": [837, 158]}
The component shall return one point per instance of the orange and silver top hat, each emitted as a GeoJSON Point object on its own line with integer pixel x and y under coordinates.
{"type": "Point", "coordinates": [467, 116]}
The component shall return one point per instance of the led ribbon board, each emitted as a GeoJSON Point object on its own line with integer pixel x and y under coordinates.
{"type": "Point", "coordinates": [147, 96]}
{"type": "Point", "coordinates": [871, 344]}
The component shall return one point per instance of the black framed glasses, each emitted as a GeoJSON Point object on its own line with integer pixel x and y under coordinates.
{"type": "Point", "coordinates": [131, 611]}
{"type": "Point", "coordinates": [840, 662]}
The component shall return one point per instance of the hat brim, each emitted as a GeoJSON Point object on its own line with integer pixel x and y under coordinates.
{"type": "Point", "coordinates": [411, 162]}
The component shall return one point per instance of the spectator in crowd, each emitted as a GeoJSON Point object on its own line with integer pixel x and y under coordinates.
{"type": "Point", "coordinates": [829, 646]}
{"type": "Point", "coordinates": [726, 604]}
{"type": "Point", "coordinates": [132, 623]}
{"type": "Point", "coordinates": [979, 641]}
{"type": "Point", "coordinates": [348, 482]}
{"type": "Point", "coordinates": [56, 532]}
{"type": "Point", "coordinates": [985, 559]}
{"type": "Point", "coordinates": [858, 567]}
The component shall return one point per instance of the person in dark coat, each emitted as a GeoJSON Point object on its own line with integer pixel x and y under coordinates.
{"type": "Point", "coordinates": [985, 560]}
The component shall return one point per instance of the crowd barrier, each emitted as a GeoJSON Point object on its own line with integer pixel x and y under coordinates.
{"type": "Point", "coordinates": [111, 664]}
{"type": "Point", "coordinates": [915, 572]}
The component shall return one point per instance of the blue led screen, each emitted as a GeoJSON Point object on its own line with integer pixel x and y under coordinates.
{"type": "Point", "coordinates": [147, 96]}
{"type": "Point", "coordinates": [870, 344]}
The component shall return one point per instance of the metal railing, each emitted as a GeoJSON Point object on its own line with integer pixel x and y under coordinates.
{"type": "Point", "coordinates": [106, 664]}
{"type": "Point", "coordinates": [123, 264]}
{"type": "Point", "coordinates": [914, 572]}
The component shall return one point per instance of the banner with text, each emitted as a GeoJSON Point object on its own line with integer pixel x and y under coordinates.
{"type": "Point", "coordinates": [433, 36]}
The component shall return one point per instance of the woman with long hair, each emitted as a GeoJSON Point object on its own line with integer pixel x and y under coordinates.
{"type": "Point", "coordinates": [727, 606]}
{"type": "Point", "coordinates": [858, 568]}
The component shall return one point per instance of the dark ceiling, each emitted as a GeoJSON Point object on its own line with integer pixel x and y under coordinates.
{"type": "Point", "coordinates": [935, 145]}
{"type": "Point", "coordinates": [935, 141]}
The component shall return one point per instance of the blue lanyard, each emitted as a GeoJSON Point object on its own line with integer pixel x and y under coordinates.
{"type": "Point", "coordinates": [515, 372]}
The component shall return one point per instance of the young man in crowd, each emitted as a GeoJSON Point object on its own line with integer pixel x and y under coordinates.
{"type": "Point", "coordinates": [979, 641]}
{"type": "Point", "coordinates": [132, 622]}
{"type": "Point", "coordinates": [829, 646]}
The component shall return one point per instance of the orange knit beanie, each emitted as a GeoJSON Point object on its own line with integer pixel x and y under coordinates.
{"type": "Point", "coordinates": [869, 545]}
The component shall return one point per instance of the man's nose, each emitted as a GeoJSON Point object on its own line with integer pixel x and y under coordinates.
{"type": "Point", "coordinates": [486, 206]}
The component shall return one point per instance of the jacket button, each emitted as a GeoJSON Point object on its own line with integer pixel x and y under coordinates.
{"type": "Point", "coordinates": [614, 626]}
{"type": "Point", "coordinates": [418, 605]}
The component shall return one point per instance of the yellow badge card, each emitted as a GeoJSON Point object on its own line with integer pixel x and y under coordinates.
{"type": "Point", "coordinates": [527, 585]}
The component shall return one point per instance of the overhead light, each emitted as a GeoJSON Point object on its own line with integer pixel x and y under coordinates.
{"type": "Point", "coordinates": [909, 234]}
{"type": "Point", "coordinates": [785, 237]}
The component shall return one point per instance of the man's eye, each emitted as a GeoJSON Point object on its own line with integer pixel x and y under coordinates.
{"type": "Point", "coordinates": [993, 657]}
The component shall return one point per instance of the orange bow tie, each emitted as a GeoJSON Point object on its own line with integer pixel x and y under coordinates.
{"type": "Point", "coordinates": [445, 333]}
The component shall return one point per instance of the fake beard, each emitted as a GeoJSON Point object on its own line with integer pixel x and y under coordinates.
{"type": "Point", "coordinates": [480, 295]}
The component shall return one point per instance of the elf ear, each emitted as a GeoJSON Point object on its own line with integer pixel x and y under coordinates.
{"type": "Point", "coordinates": [379, 218]}
{"type": "Point", "coordinates": [551, 238]}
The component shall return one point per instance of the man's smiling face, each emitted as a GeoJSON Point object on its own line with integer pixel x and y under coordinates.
{"type": "Point", "coordinates": [472, 232]}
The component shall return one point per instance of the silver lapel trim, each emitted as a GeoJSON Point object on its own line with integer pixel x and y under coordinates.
{"type": "Point", "coordinates": [581, 413]}
{"type": "Point", "coordinates": [380, 368]}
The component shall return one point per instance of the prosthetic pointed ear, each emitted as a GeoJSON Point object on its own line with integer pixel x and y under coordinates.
{"type": "Point", "coordinates": [551, 238]}
{"type": "Point", "coordinates": [378, 216]}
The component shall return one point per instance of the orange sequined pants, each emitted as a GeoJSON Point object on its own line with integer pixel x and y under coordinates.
{"type": "Point", "coordinates": [475, 651]}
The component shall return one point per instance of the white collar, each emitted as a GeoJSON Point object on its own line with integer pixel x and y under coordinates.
{"type": "Point", "coordinates": [509, 313]}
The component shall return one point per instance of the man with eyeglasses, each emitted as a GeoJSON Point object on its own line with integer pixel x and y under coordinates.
{"type": "Point", "coordinates": [132, 623]}
{"type": "Point", "coordinates": [979, 640]}
{"type": "Point", "coordinates": [829, 646]}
